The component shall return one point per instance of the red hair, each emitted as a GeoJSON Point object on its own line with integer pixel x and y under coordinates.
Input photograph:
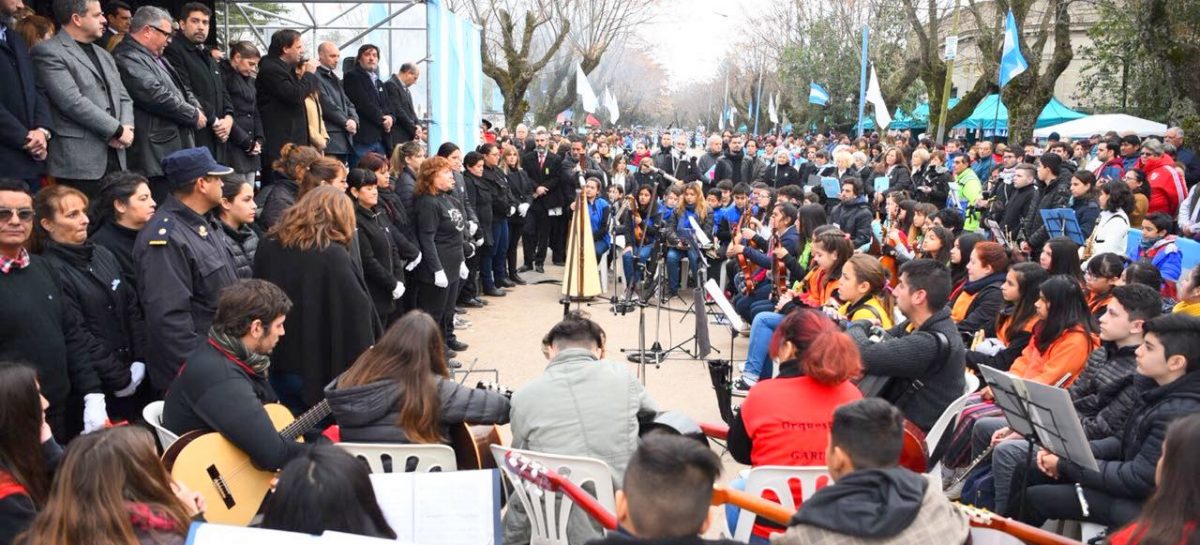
{"type": "Point", "coordinates": [825, 353]}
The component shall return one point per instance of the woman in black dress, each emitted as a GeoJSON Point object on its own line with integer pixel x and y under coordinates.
{"type": "Point", "coordinates": [440, 225]}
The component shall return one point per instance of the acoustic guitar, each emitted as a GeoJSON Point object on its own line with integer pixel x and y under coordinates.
{"type": "Point", "coordinates": [232, 487]}
{"type": "Point", "coordinates": [982, 518]}
{"type": "Point", "coordinates": [472, 442]}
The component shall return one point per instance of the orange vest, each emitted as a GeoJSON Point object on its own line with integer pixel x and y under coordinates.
{"type": "Point", "coordinates": [1067, 354]}
{"type": "Point", "coordinates": [961, 304]}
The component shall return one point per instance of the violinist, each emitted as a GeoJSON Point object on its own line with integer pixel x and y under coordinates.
{"type": "Point", "coordinates": [641, 221]}
{"type": "Point", "coordinates": [783, 235]}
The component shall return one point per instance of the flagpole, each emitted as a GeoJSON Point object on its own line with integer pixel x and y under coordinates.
{"type": "Point", "coordinates": [943, 114]}
{"type": "Point", "coordinates": [862, 82]}
{"type": "Point", "coordinates": [758, 100]}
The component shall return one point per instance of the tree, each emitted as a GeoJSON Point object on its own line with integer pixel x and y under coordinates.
{"type": "Point", "coordinates": [926, 25]}
{"type": "Point", "coordinates": [511, 57]}
{"type": "Point", "coordinates": [1030, 91]}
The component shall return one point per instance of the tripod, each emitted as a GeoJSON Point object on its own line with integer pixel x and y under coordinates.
{"type": "Point", "coordinates": [697, 305]}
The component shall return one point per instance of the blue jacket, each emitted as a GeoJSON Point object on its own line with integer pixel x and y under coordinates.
{"type": "Point", "coordinates": [790, 240]}
{"type": "Point", "coordinates": [598, 212]}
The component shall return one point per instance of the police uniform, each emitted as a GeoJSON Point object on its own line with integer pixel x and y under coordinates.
{"type": "Point", "coordinates": [182, 264]}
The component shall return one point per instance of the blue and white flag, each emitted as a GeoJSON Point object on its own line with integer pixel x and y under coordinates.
{"type": "Point", "coordinates": [817, 94]}
{"type": "Point", "coordinates": [455, 79]}
{"type": "Point", "coordinates": [1011, 61]}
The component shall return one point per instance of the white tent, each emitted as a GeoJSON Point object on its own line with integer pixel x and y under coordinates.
{"type": "Point", "coordinates": [1102, 123]}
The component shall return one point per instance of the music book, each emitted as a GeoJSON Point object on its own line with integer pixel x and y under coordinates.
{"type": "Point", "coordinates": [718, 297]}
{"type": "Point", "coordinates": [205, 533]}
{"type": "Point", "coordinates": [814, 180]}
{"type": "Point", "coordinates": [443, 508]}
{"type": "Point", "coordinates": [831, 186]}
{"type": "Point", "coordinates": [1061, 222]}
{"type": "Point", "coordinates": [882, 184]}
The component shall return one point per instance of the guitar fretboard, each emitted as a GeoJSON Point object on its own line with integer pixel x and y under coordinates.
{"type": "Point", "coordinates": [306, 421]}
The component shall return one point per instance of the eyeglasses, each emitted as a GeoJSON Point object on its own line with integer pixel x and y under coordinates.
{"type": "Point", "coordinates": [165, 33]}
{"type": "Point", "coordinates": [23, 214]}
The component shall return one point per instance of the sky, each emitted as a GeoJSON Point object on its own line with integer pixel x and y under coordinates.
{"type": "Point", "coordinates": [691, 35]}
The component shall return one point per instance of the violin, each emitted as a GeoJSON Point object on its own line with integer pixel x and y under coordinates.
{"type": "Point", "coordinates": [886, 251]}
{"type": "Point", "coordinates": [639, 230]}
{"type": "Point", "coordinates": [744, 264]}
{"type": "Point", "coordinates": [779, 272]}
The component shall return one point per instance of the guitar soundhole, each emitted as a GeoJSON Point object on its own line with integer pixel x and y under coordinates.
{"type": "Point", "coordinates": [222, 488]}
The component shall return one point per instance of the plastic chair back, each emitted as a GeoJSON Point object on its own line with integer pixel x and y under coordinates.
{"type": "Point", "coordinates": [1189, 253]}
{"type": "Point", "coordinates": [779, 480]}
{"type": "Point", "coordinates": [943, 422]}
{"type": "Point", "coordinates": [402, 458]}
{"type": "Point", "coordinates": [1132, 242]}
{"type": "Point", "coordinates": [152, 414]}
{"type": "Point", "coordinates": [548, 513]}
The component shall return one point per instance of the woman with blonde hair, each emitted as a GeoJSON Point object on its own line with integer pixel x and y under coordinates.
{"type": "Point", "coordinates": [406, 162]}
{"type": "Point", "coordinates": [291, 167]}
{"type": "Point", "coordinates": [691, 206]}
{"type": "Point", "coordinates": [308, 255]}
{"type": "Point", "coordinates": [324, 170]}
{"type": "Point", "coordinates": [110, 488]}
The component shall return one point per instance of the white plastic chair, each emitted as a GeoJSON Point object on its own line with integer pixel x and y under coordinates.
{"type": "Point", "coordinates": [548, 513]}
{"type": "Point", "coordinates": [972, 383]}
{"type": "Point", "coordinates": [400, 458]}
{"type": "Point", "coordinates": [602, 264]}
{"type": "Point", "coordinates": [939, 427]}
{"type": "Point", "coordinates": [778, 480]}
{"type": "Point", "coordinates": [152, 414]}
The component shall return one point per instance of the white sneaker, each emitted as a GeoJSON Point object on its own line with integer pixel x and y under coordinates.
{"type": "Point", "coordinates": [742, 385]}
{"type": "Point", "coordinates": [461, 323]}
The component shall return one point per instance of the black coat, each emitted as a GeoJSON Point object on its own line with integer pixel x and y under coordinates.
{"type": "Point", "coordinates": [198, 71]}
{"type": "Point", "coordinates": [1127, 460]}
{"type": "Point", "coordinates": [336, 110]}
{"type": "Point", "coordinates": [440, 227]}
{"type": "Point", "coordinates": [247, 123]}
{"type": "Point", "coordinates": [900, 179]}
{"type": "Point", "coordinates": [1106, 393]}
{"type": "Point", "coordinates": [332, 321]}
{"type": "Point", "coordinates": [371, 104]}
{"type": "Point", "coordinates": [242, 244]}
{"type": "Point", "coordinates": [399, 99]}
{"type": "Point", "coordinates": [370, 413]}
{"type": "Point", "coordinates": [937, 179]}
{"type": "Point", "coordinates": [399, 214]}
{"type": "Point", "coordinates": [854, 219]}
{"type": "Point", "coordinates": [406, 186]}
{"type": "Point", "coordinates": [216, 392]}
{"type": "Point", "coordinates": [44, 334]}
{"type": "Point", "coordinates": [119, 240]}
{"type": "Point", "coordinates": [481, 196]}
{"type": "Point", "coordinates": [1016, 218]}
{"type": "Point", "coordinates": [164, 109]}
{"type": "Point", "coordinates": [520, 188]}
{"type": "Point", "coordinates": [277, 199]}
{"type": "Point", "coordinates": [94, 289]}
{"type": "Point", "coordinates": [381, 262]}
{"type": "Point", "coordinates": [17, 510]}
{"type": "Point", "coordinates": [982, 311]}
{"type": "Point", "coordinates": [22, 108]}
{"type": "Point", "coordinates": [547, 175]}
{"type": "Point", "coordinates": [782, 175]}
{"type": "Point", "coordinates": [280, 93]}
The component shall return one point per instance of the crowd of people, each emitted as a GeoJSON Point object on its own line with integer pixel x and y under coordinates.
{"type": "Point", "coordinates": [166, 207]}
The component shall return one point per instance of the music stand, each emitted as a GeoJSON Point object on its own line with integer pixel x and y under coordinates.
{"type": "Point", "coordinates": [721, 373]}
{"type": "Point", "coordinates": [1062, 222]}
{"type": "Point", "coordinates": [997, 232]}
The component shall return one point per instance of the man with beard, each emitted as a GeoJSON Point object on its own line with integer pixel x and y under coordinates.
{"type": "Point", "coordinates": [736, 159]}
{"type": "Point", "coordinates": [281, 86]}
{"type": "Point", "coordinates": [190, 57]}
{"type": "Point", "coordinates": [544, 169]}
{"type": "Point", "coordinates": [576, 166]}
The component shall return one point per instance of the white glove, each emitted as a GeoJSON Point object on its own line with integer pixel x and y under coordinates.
{"type": "Point", "coordinates": [137, 372]}
{"type": "Point", "coordinates": [439, 279]}
{"type": "Point", "coordinates": [990, 346]}
{"type": "Point", "coordinates": [523, 208]}
{"type": "Point", "coordinates": [512, 210]}
{"type": "Point", "coordinates": [462, 270]}
{"type": "Point", "coordinates": [399, 291]}
{"type": "Point", "coordinates": [413, 264]}
{"type": "Point", "coordinates": [95, 414]}
{"type": "Point", "coordinates": [473, 227]}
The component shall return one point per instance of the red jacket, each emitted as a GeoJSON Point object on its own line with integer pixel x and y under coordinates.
{"type": "Point", "coordinates": [1167, 187]}
{"type": "Point", "coordinates": [1132, 535]}
{"type": "Point", "coordinates": [788, 419]}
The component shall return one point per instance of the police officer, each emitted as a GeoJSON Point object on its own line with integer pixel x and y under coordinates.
{"type": "Point", "coordinates": [182, 263]}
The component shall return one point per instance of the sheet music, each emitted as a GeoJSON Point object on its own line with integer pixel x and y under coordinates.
{"type": "Point", "coordinates": [1058, 424]}
{"type": "Point", "coordinates": [718, 296]}
{"type": "Point", "coordinates": [203, 533]}
{"type": "Point", "coordinates": [446, 508]}
{"type": "Point", "coordinates": [701, 237]}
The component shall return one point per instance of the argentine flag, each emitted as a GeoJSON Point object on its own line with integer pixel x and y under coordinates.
{"type": "Point", "coordinates": [712, 172]}
{"type": "Point", "coordinates": [817, 94]}
{"type": "Point", "coordinates": [1011, 61]}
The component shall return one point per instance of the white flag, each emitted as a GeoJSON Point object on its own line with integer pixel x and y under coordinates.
{"type": "Point", "coordinates": [585, 90]}
{"type": "Point", "coordinates": [875, 97]}
{"type": "Point", "coordinates": [610, 102]}
{"type": "Point", "coordinates": [772, 112]}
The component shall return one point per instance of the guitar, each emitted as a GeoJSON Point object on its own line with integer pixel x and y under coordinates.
{"type": "Point", "coordinates": [232, 487]}
{"type": "Point", "coordinates": [764, 508]}
{"type": "Point", "coordinates": [472, 443]}
{"type": "Point", "coordinates": [549, 480]}
{"type": "Point", "coordinates": [913, 455]}
{"type": "Point", "coordinates": [982, 518]}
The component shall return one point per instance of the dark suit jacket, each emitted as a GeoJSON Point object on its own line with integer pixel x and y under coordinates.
{"type": "Point", "coordinates": [546, 175]}
{"type": "Point", "coordinates": [371, 105]}
{"type": "Point", "coordinates": [22, 108]}
{"type": "Point", "coordinates": [199, 72]}
{"type": "Point", "coordinates": [281, 105]}
{"type": "Point", "coordinates": [336, 110]}
{"type": "Point", "coordinates": [164, 110]}
{"type": "Point", "coordinates": [400, 101]}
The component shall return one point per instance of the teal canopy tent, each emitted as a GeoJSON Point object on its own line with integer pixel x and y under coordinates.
{"type": "Point", "coordinates": [989, 118]}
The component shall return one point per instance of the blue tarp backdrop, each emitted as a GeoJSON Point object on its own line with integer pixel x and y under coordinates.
{"type": "Point", "coordinates": [455, 78]}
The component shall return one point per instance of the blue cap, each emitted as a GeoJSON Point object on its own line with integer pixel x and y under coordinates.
{"type": "Point", "coordinates": [186, 165]}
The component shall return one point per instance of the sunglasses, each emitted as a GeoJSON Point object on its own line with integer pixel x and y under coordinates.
{"type": "Point", "coordinates": [23, 214]}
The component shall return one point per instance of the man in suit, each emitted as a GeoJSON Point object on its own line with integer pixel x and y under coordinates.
{"type": "Point", "coordinates": [165, 112]}
{"type": "Point", "coordinates": [365, 90]}
{"type": "Point", "coordinates": [24, 115]}
{"type": "Point", "coordinates": [90, 108]}
{"type": "Point", "coordinates": [544, 169]}
{"type": "Point", "coordinates": [282, 84]}
{"type": "Point", "coordinates": [401, 102]}
{"type": "Point", "coordinates": [190, 57]}
{"type": "Point", "coordinates": [117, 15]}
{"type": "Point", "coordinates": [341, 119]}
